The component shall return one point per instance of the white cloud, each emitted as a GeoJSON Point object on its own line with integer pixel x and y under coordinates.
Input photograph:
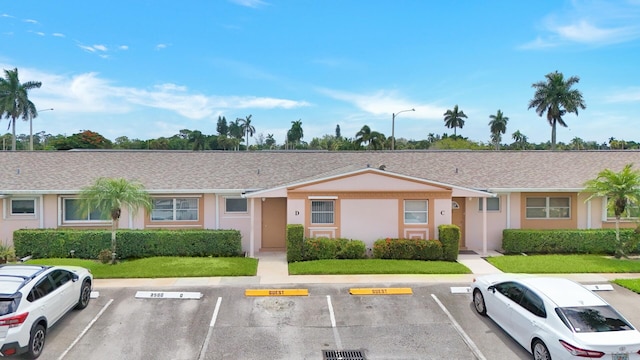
{"type": "Point", "coordinates": [250, 3]}
{"type": "Point", "coordinates": [57, 35]}
{"type": "Point", "coordinates": [6, 16]}
{"type": "Point", "coordinates": [386, 103]}
{"type": "Point", "coordinates": [161, 46]}
{"type": "Point", "coordinates": [100, 47]}
{"type": "Point", "coordinates": [123, 47]}
{"type": "Point", "coordinates": [31, 21]}
{"type": "Point", "coordinates": [627, 95]}
{"type": "Point", "coordinates": [589, 23]}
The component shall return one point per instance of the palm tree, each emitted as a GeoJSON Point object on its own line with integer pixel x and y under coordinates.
{"type": "Point", "coordinates": [498, 126]}
{"type": "Point", "coordinates": [236, 132]}
{"type": "Point", "coordinates": [519, 138]}
{"type": "Point", "coordinates": [295, 134]}
{"type": "Point", "coordinates": [363, 136]}
{"type": "Point", "coordinates": [247, 128]}
{"type": "Point", "coordinates": [376, 140]}
{"type": "Point", "coordinates": [109, 195]}
{"type": "Point", "coordinates": [555, 97]}
{"type": "Point", "coordinates": [621, 189]}
{"type": "Point", "coordinates": [270, 141]}
{"type": "Point", "coordinates": [577, 143]}
{"type": "Point", "coordinates": [14, 100]}
{"type": "Point", "coordinates": [454, 119]}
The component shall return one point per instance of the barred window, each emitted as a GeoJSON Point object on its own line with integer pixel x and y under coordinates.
{"type": "Point", "coordinates": [322, 211]}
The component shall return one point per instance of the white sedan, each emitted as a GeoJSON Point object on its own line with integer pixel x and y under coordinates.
{"type": "Point", "coordinates": [555, 318]}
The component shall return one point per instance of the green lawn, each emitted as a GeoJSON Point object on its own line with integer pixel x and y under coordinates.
{"type": "Point", "coordinates": [562, 264]}
{"type": "Point", "coordinates": [631, 284]}
{"type": "Point", "coordinates": [159, 267]}
{"type": "Point", "coordinates": [375, 266]}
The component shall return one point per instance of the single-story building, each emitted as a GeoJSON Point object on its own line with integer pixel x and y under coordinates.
{"type": "Point", "coordinates": [358, 195]}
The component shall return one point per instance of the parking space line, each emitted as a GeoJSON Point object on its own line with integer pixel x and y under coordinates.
{"type": "Point", "coordinates": [86, 329]}
{"type": "Point", "coordinates": [336, 335]}
{"type": "Point", "coordinates": [205, 345]}
{"type": "Point", "coordinates": [476, 351]}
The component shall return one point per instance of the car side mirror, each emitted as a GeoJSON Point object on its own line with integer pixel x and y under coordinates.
{"type": "Point", "coordinates": [75, 277]}
{"type": "Point", "coordinates": [492, 289]}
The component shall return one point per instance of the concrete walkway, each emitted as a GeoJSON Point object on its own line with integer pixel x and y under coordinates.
{"type": "Point", "coordinates": [273, 270]}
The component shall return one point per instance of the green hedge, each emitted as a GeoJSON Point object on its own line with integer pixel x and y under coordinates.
{"type": "Point", "coordinates": [295, 242]}
{"type": "Point", "coordinates": [325, 248]}
{"type": "Point", "coordinates": [408, 249]}
{"type": "Point", "coordinates": [450, 238]}
{"type": "Point", "coordinates": [597, 241]}
{"type": "Point", "coordinates": [87, 244]}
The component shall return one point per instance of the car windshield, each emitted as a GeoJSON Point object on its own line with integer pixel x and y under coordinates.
{"type": "Point", "coordinates": [593, 318]}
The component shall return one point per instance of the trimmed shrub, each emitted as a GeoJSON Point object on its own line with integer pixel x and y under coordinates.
{"type": "Point", "coordinates": [295, 242]}
{"type": "Point", "coordinates": [593, 241]}
{"type": "Point", "coordinates": [407, 249]}
{"type": "Point", "coordinates": [87, 244]}
{"type": "Point", "coordinates": [450, 238]}
{"type": "Point", "coordinates": [325, 248]}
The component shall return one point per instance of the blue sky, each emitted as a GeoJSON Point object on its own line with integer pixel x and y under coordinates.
{"type": "Point", "coordinates": [145, 69]}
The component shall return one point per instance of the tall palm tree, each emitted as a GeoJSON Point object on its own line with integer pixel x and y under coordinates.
{"type": "Point", "coordinates": [621, 189]}
{"type": "Point", "coordinates": [498, 126]}
{"type": "Point", "coordinates": [295, 134]}
{"type": "Point", "coordinates": [364, 135]}
{"type": "Point", "coordinates": [14, 100]}
{"type": "Point", "coordinates": [556, 98]}
{"type": "Point", "coordinates": [247, 128]}
{"type": "Point", "coordinates": [110, 195]}
{"type": "Point", "coordinates": [453, 119]}
{"type": "Point", "coordinates": [270, 141]}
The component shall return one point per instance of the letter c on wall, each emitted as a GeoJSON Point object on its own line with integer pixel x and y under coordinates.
{"type": "Point", "coordinates": [442, 212]}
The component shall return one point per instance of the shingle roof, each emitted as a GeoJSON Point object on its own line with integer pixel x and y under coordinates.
{"type": "Point", "coordinates": [68, 171]}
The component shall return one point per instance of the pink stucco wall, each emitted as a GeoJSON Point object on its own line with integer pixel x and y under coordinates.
{"type": "Point", "coordinates": [359, 215]}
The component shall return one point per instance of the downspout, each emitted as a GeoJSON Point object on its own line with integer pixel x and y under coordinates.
{"type": "Point", "coordinates": [484, 226]}
{"type": "Point", "coordinates": [589, 214]}
{"type": "Point", "coordinates": [508, 211]}
{"type": "Point", "coordinates": [252, 231]}
{"type": "Point", "coordinates": [41, 206]}
{"type": "Point", "coordinates": [217, 225]}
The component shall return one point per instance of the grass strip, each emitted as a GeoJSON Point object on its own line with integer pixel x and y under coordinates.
{"type": "Point", "coordinates": [375, 266]}
{"type": "Point", "coordinates": [563, 264]}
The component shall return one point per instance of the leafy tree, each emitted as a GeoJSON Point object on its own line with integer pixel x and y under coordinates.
{"type": "Point", "coordinates": [110, 195]}
{"type": "Point", "coordinates": [556, 98]}
{"type": "Point", "coordinates": [377, 140]}
{"type": "Point", "coordinates": [247, 128]}
{"type": "Point", "coordinates": [222, 127]}
{"type": "Point", "coordinates": [14, 100]}
{"type": "Point", "coordinates": [295, 134]}
{"type": "Point", "coordinates": [197, 140]}
{"type": "Point", "coordinates": [498, 126]}
{"type": "Point", "coordinates": [577, 143]}
{"type": "Point", "coordinates": [454, 119]}
{"type": "Point", "coordinates": [338, 135]}
{"type": "Point", "coordinates": [621, 190]}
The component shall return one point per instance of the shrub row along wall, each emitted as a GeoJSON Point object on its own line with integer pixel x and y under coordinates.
{"type": "Point", "coordinates": [599, 241]}
{"type": "Point", "coordinates": [301, 249]}
{"type": "Point", "coordinates": [87, 244]}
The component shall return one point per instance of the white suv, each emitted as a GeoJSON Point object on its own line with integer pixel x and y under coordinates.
{"type": "Point", "coordinates": [33, 298]}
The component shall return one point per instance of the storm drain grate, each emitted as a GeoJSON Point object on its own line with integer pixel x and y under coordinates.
{"type": "Point", "coordinates": [343, 355]}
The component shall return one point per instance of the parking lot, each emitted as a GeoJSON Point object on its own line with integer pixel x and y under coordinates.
{"type": "Point", "coordinates": [430, 323]}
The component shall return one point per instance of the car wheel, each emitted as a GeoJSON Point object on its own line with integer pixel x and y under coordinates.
{"type": "Point", "coordinates": [540, 351]}
{"type": "Point", "coordinates": [85, 295]}
{"type": "Point", "coordinates": [478, 302]}
{"type": "Point", "coordinates": [36, 342]}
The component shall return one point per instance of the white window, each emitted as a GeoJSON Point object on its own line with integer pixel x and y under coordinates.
{"type": "Point", "coordinates": [632, 211]}
{"type": "Point", "coordinates": [23, 206]}
{"type": "Point", "coordinates": [416, 211]}
{"type": "Point", "coordinates": [74, 211]}
{"type": "Point", "coordinates": [235, 205]}
{"type": "Point", "coordinates": [322, 211]}
{"type": "Point", "coordinates": [548, 207]}
{"type": "Point", "coordinates": [174, 209]}
{"type": "Point", "coordinates": [493, 204]}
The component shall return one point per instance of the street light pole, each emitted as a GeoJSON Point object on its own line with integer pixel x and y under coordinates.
{"type": "Point", "coordinates": [393, 127]}
{"type": "Point", "coordinates": [31, 129]}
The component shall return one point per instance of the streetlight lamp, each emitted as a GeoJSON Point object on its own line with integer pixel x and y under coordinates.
{"type": "Point", "coordinates": [31, 128]}
{"type": "Point", "coordinates": [393, 126]}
